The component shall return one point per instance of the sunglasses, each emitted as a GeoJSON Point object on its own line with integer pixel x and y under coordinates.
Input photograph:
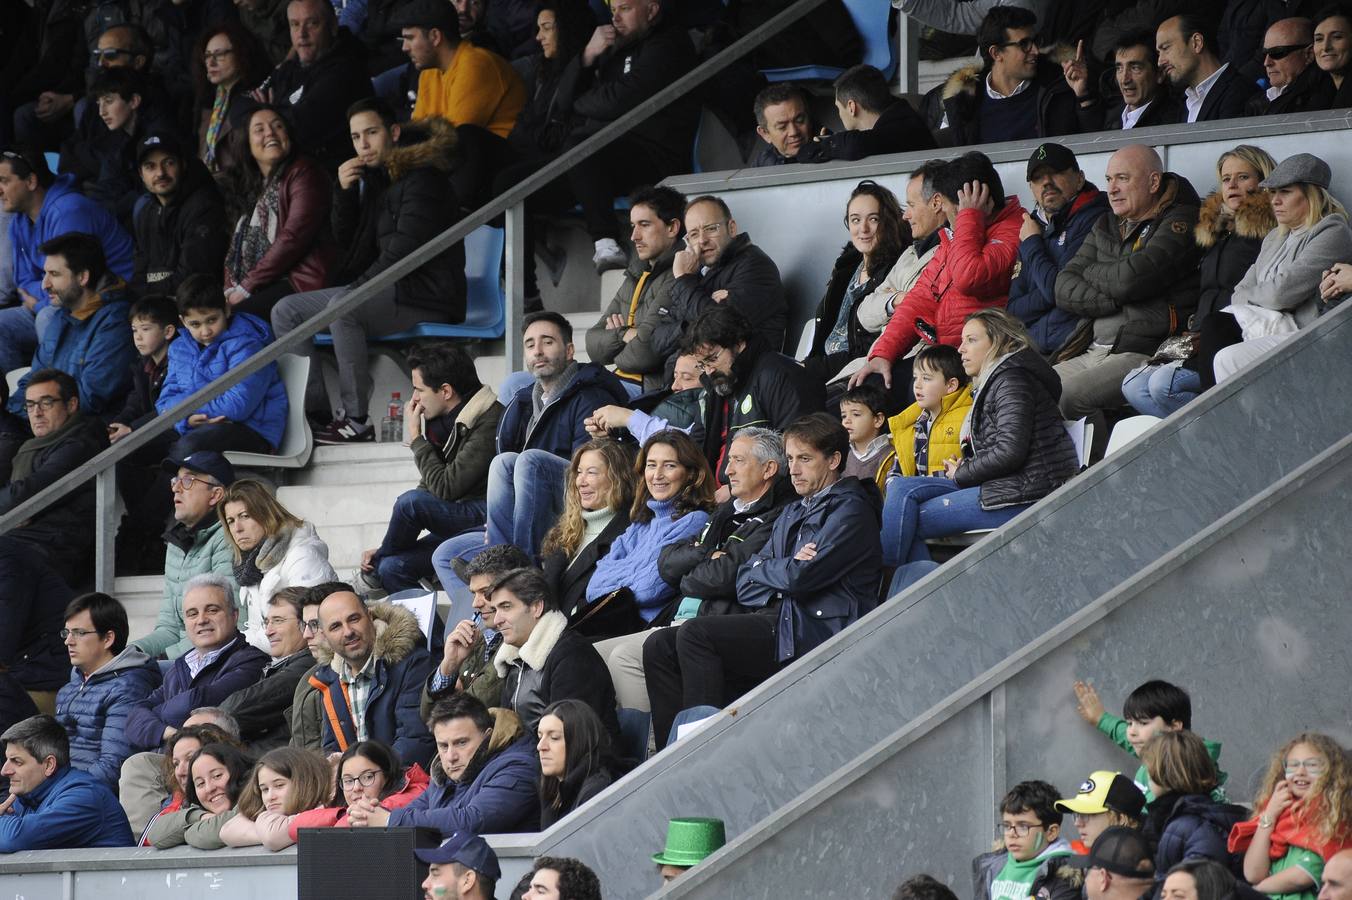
{"type": "Point", "coordinates": [1284, 51]}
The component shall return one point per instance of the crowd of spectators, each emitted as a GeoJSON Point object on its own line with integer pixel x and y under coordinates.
{"type": "Point", "coordinates": [649, 533]}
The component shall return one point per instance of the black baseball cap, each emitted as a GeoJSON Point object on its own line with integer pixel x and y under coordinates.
{"type": "Point", "coordinates": [203, 462]}
{"type": "Point", "coordinates": [164, 143]}
{"type": "Point", "coordinates": [1051, 156]}
{"type": "Point", "coordinates": [1120, 850]}
{"type": "Point", "coordinates": [470, 850]}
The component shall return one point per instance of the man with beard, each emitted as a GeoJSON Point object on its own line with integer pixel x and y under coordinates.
{"type": "Point", "coordinates": [747, 384]}
{"type": "Point", "coordinates": [1188, 57]}
{"type": "Point", "coordinates": [483, 778]}
{"type": "Point", "coordinates": [184, 231]}
{"type": "Point", "coordinates": [1067, 208]}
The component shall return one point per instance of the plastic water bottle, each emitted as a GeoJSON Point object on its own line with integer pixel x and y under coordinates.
{"type": "Point", "coordinates": [392, 426]}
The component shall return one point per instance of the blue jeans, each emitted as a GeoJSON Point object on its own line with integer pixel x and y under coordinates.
{"type": "Point", "coordinates": [463, 546]}
{"type": "Point", "coordinates": [1160, 390]}
{"type": "Point", "coordinates": [525, 497]}
{"type": "Point", "coordinates": [956, 512]}
{"type": "Point", "coordinates": [403, 558]}
{"type": "Point", "coordinates": [901, 515]}
{"type": "Point", "coordinates": [18, 338]}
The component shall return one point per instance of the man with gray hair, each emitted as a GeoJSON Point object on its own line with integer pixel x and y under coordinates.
{"type": "Point", "coordinates": [220, 662]}
{"type": "Point", "coordinates": [1132, 283]}
{"type": "Point", "coordinates": [705, 569]}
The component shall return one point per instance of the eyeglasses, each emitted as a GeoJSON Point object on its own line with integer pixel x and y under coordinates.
{"type": "Point", "coordinates": [1314, 767]}
{"type": "Point", "coordinates": [707, 363]}
{"type": "Point", "coordinates": [279, 621]}
{"type": "Point", "coordinates": [1020, 829]}
{"type": "Point", "coordinates": [212, 56]}
{"type": "Point", "coordinates": [365, 779]}
{"type": "Point", "coordinates": [76, 633]}
{"type": "Point", "coordinates": [1026, 45]}
{"type": "Point", "coordinates": [708, 230]}
{"type": "Point", "coordinates": [309, 625]}
{"type": "Point", "coordinates": [1284, 50]}
{"type": "Point", "coordinates": [185, 482]}
{"type": "Point", "coordinates": [108, 53]}
{"type": "Point", "coordinates": [42, 403]}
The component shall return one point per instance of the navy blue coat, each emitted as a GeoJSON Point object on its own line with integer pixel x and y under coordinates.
{"type": "Point", "coordinates": [559, 429]}
{"type": "Point", "coordinates": [1191, 826]}
{"type": "Point", "coordinates": [500, 799]}
{"type": "Point", "coordinates": [94, 712]}
{"type": "Point", "coordinates": [71, 810]}
{"type": "Point", "coordinates": [1032, 293]}
{"type": "Point", "coordinates": [173, 701]}
{"type": "Point", "coordinates": [821, 596]}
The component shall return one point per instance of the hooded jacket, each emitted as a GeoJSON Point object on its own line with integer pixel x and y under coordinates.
{"type": "Point", "coordinates": [1134, 283]}
{"type": "Point", "coordinates": [1295, 288]}
{"type": "Point", "coordinates": [754, 288]}
{"type": "Point", "coordinates": [207, 550]}
{"type": "Point", "coordinates": [559, 429]}
{"type": "Point", "coordinates": [569, 579]}
{"type": "Point", "coordinates": [302, 253]}
{"type": "Point", "coordinates": [94, 347]}
{"type": "Point", "coordinates": [263, 709]}
{"type": "Point", "coordinates": [94, 712]}
{"type": "Point", "coordinates": [397, 209]}
{"type": "Point", "coordinates": [1052, 106]}
{"type": "Point", "coordinates": [1032, 293]}
{"type": "Point", "coordinates": [296, 557]}
{"type": "Point", "coordinates": [1054, 879]}
{"type": "Point", "coordinates": [415, 783]}
{"type": "Point", "coordinates": [238, 666]}
{"type": "Point", "coordinates": [258, 401]}
{"type": "Point", "coordinates": [65, 209]}
{"type": "Point", "coordinates": [899, 129]}
{"type": "Point", "coordinates": [496, 794]}
{"type": "Point", "coordinates": [186, 236]}
{"type": "Point", "coordinates": [817, 598]}
{"type": "Point", "coordinates": [1191, 826]}
{"type": "Point", "coordinates": [1019, 450]}
{"type": "Point", "coordinates": [640, 357]}
{"type": "Point", "coordinates": [315, 98]}
{"type": "Point", "coordinates": [458, 469]}
{"type": "Point", "coordinates": [768, 390]}
{"type": "Point", "coordinates": [944, 433]}
{"type": "Point", "coordinates": [70, 810]}
{"type": "Point", "coordinates": [688, 566]}
{"type": "Point", "coordinates": [402, 665]}
{"type": "Point", "coordinates": [970, 271]}
{"type": "Point", "coordinates": [553, 665]}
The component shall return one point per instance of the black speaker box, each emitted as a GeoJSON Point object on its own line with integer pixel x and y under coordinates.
{"type": "Point", "coordinates": [362, 863]}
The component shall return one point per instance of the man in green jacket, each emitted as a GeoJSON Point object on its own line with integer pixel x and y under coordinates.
{"type": "Point", "coordinates": [195, 544]}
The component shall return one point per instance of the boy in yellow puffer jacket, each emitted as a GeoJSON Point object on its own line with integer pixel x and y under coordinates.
{"type": "Point", "coordinates": [943, 396]}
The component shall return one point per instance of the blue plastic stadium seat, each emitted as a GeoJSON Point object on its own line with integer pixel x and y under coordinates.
{"type": "Point", "coordinates": [485, 306]}
{"type": "Point", "coordinates": [870, 19]}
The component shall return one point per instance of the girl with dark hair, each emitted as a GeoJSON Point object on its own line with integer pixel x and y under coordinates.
{"type": "Point", "coordinates": [575, 763]}
{"type": "Point", "coordinates": [878, 236]}
{"type": "Point", "coordinates": [1198, 879]}
{"type": "Point", "coordinates": [216, 777]}
{"type": "Point", "coordinates": [1333, 49]}
{"type": "Point", "coordinates": [281, 199]}
{"type": "Point", "coordinates": [370, 770]}
{"type": "Point", "coordinates": [229, 61]}
{"type": "Point", "coordinates": [179, 751]}
{"type": "Point", "coordinates": [674, 498]}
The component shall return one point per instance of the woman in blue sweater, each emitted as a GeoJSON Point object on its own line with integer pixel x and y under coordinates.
{"type": "Point", "coordinates": [672, 504]}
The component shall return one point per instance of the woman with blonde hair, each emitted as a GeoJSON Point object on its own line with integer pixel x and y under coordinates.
{"type": "Point", "coordinates": [273, 549]}
{"type": "Point", "coordinates": [1280, 292]}
{"type": "Point", "coordinates": [1015, 448]}
{"type": "Point", "coordinates": [286, 782]}
{"type": "Point", "coordinates": [1230, 229]}
{"type": "Point", "coordinates": [1183, 821]}
{"type": "Point", "coordinates": [1304, 818]}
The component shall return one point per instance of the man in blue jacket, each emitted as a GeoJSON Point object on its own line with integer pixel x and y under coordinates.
{"type": "Point", "coordinates": [1067, 208]}
{"type": "Point", "coordinates": [52, 806]}
{"type": "Point", "coordinates": [46, 206]}
{"type": "Point", "coordinates": [819, 572]}
{"type": "Point", "coordinates": [483, 779]}
{"type": "Point", "coordinates": [542, 426]}
{"type": "Point", "coordinates": [220, 663]}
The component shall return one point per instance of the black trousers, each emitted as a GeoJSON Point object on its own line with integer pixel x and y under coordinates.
{"type": "Point", "coordinates": [706, 662]}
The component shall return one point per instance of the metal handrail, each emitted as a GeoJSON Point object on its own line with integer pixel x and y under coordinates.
{"type": "Point", "coordinates": [101, 466]}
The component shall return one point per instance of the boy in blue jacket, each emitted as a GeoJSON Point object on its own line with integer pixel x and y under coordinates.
{"type": "Point", "coordinates": [249, 416]}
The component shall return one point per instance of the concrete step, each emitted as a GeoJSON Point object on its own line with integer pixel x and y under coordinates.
{"type": "Point", "coordinates": [141, 595]}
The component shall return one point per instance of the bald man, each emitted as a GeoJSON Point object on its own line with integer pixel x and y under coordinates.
{"type": "Point", "coordinates": [1297, 84]}
{"type": "Point", "coordinates": [1337, 877]}
{"type": "Point", "coordinates": [1132, 283]}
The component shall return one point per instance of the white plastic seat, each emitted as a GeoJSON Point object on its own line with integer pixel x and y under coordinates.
{"type": "Point", "coordinates": [297, 439]}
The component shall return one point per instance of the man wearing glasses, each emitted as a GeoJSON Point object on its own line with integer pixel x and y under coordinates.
{"type": "Point", "coordinates": [196, 544]}
{"type": "Point", "coordinates": [1296, 84]}
{"type": "Point", "coordinates": [1016, 95]}
{"type": "Point", "coordinates": [37, 557]}
{"type": "Point", "coordinates": [307, 703]}
{"type": "Point", "coordinates": [263, 709]}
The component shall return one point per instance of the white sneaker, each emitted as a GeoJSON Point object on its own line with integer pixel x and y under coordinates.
{"type": "Point", "coordinates": [609, 256]}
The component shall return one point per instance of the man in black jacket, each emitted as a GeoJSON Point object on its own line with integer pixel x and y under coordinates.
{"type": "Point", "coordinates": [41, 559]}
{"type": "Point", "coordinates": [1189, 59]}
{"type": "Point", "coordinates": [720, 265]}
{"type": "Point", "coordinates": [184, 232]}
{"type": "Point", "coordinates": [875, 121]}
{"type": "Point", "coordinates": [704, 570]}
{"type": "Point", "coordinates": [263, 709]}
{"type": "Point", "coordinates": [1296, 84]}
{"type": "Point", "coordinates": [389, 201]}
{"type": "Point", "coordinates": [323, 76]}
{"type": "Point", "coordinates": [1142, 100]}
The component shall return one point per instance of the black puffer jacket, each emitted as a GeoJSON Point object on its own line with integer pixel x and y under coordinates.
{"type": "Point", "coordinates": [1019, 451]}
{"type": "Point", "coordinates": [1191, 826]}
{"type": "Point", "coordinates": [263, 709]}
{"type": "Point", "coordinates": [187, 236]}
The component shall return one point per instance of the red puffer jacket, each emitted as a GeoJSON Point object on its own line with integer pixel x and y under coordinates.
{"type": "Point", "coordinates": [971, 270]}
{"type": "Point", "coordinates": [415, 782]}
{"type": "Point", "coordinates": [303, 251]}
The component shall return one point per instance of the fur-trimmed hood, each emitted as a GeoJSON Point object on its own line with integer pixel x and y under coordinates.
{"type": "Point", "coordinates": [428, 142]}
{"type": "Point", "coordinates": [968, 78]}
{"type": "Point", "coordinates": [506, 731]}
{"type": "Point", "coordinates": [397, 635]}
{"type": "Point", "coordinates": [1253, 219]}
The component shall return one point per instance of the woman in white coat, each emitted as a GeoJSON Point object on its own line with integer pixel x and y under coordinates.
{"type": "Point", "coordinates": [273, 550]}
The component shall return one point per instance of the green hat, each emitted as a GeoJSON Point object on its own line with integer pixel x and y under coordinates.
{"type": "Point", "coordinates": [690, 840]}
